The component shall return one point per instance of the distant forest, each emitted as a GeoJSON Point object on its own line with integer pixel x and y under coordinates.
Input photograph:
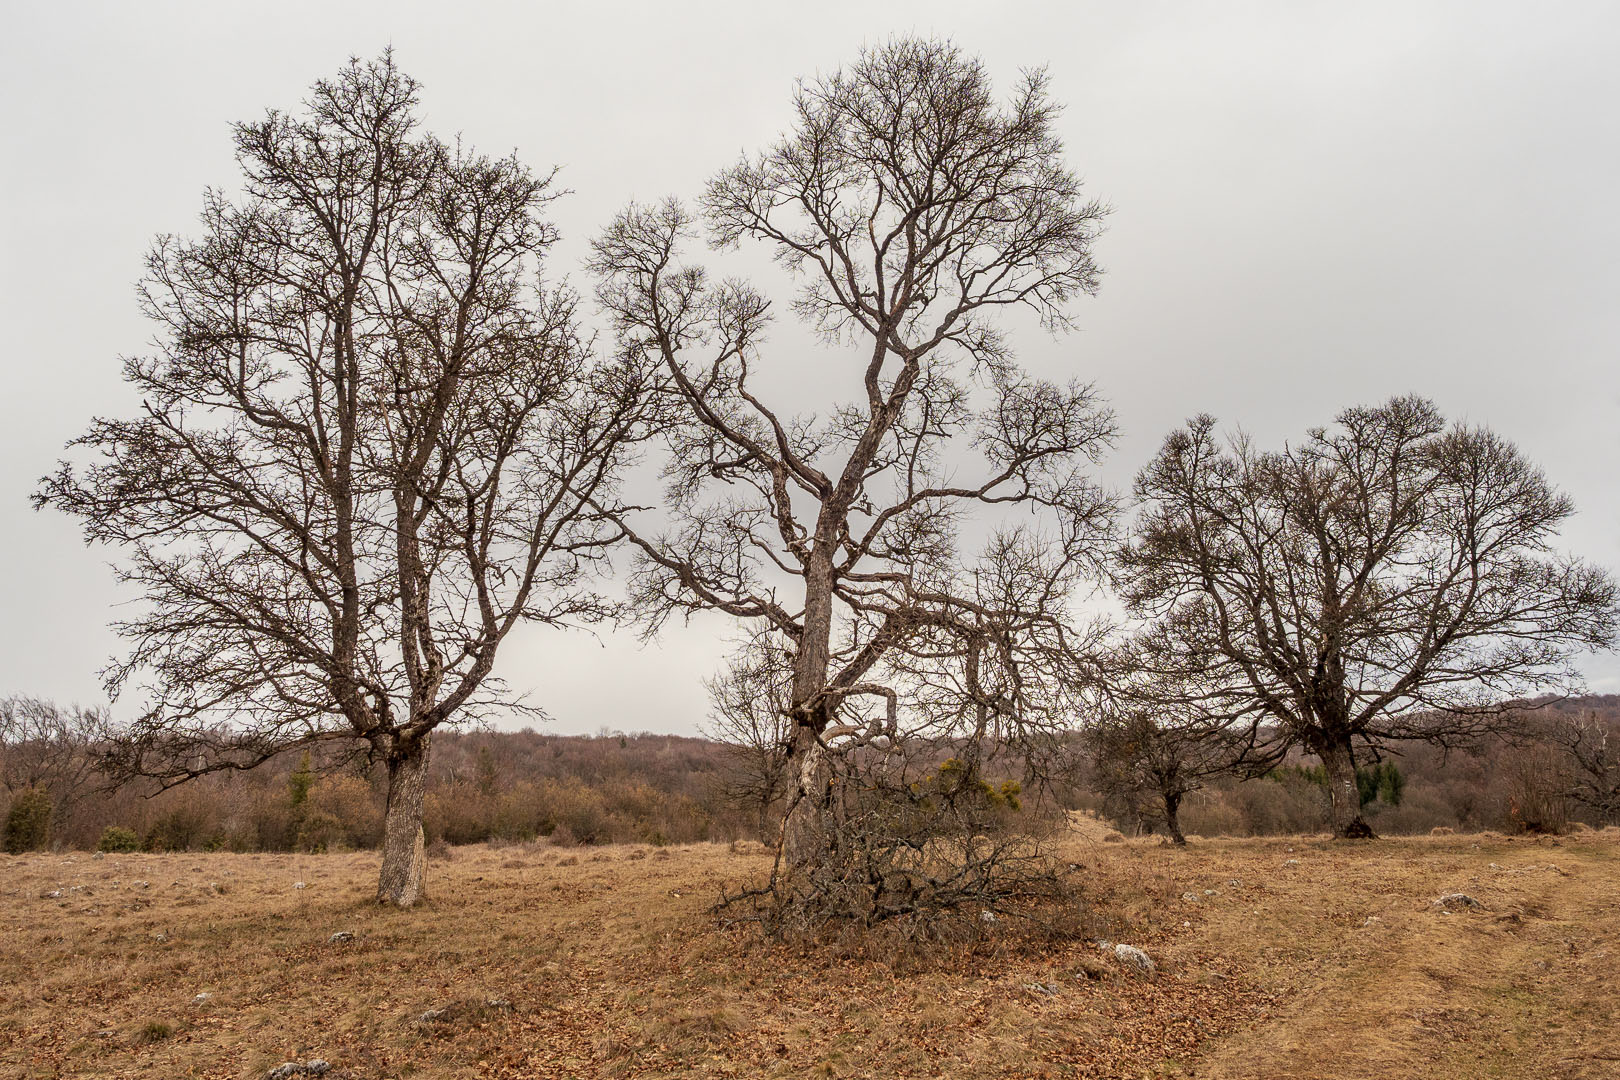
{"type": "Point", "coordinates": [513, 787]}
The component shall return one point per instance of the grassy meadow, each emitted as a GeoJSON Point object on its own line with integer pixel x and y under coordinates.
{"type": "Point", "coordinates": [1280, 957]}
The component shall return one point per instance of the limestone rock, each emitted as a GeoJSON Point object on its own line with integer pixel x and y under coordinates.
{"type": "Point", "coordinates": [1136, 959]}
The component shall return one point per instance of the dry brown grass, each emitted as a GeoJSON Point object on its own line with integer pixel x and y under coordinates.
{"type": "Point", "coordinates": [603, 962]}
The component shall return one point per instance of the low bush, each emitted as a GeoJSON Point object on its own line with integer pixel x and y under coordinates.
{"type": "Point", "coordinates": [116, 838]}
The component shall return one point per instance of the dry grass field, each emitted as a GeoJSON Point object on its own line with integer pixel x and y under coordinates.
{"type": "Point", "coordinates": [1279, 958]}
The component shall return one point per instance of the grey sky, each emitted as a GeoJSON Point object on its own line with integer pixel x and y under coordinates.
{"type": "Point", "coordinates": [1315, 206]}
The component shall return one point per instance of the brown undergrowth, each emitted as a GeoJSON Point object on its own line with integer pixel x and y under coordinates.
{"type": "Point", "coordinates": [1278, 958]}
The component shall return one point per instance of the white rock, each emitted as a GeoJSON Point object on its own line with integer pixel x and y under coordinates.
{"type": "Point", "coordinates": [202, 997]}
{"type": "Point", "coordinates": [1132, 957]}
{"type": "Point", "coordinates": [299, 885]}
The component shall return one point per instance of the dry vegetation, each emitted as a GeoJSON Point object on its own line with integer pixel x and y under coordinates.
{"type": "Point", "coordinates": [1306, 958]}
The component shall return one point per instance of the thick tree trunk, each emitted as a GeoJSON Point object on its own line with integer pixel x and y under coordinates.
{"type": "Point", "coordinates": [805, 836]}
{"type": "Point", "coordinates": [1172, 817]}
{"type": "Point", "coordinates": [404, 859]}
{"type": "Point", "coordinates": [1340, 765]}
{"type": "Point", "coordinates": [805, 830]}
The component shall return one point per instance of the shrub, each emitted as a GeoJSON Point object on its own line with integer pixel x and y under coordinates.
{"type": "Point", "coordinates": [28, 822]}
{"type": "Point", "coordinates": [184, 826]}
{"type": "Point", "coordinates": [946, 859]}
{"type": "Point", "coordinates": [1536, 782]}
{"type": "Point", "coordinates": [1282, 804]}
{"type": "Point", "coordinates": [342, 812]}
{"type": "Point", "coordinates": [1209, 813]}
{"type": "Point", "coordinates": [1419, 813]}
{"type": "Point", "coordinates": [320, 832]}
{"type": "Point", "coordinates": [116, 838]}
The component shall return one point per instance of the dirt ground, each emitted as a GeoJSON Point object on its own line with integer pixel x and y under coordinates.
{"type": "Point", "coordinates": [1278, 958]}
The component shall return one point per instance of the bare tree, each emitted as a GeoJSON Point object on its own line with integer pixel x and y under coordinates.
{"type": "Point", "coordinates": [910, 207]}
{"type": "Point", "coordinates": [1591, 747]}
{"type": "Point", "coordinates": [1388, 578]}
{"type": "Point", "coordinates": [1160, 734]}
{"type": "Point", "coordinates": [51, 748]}
{"type": "Point", "coordinates": [750, 715]}
{"type": "Point", "coordinates": [371, 443]}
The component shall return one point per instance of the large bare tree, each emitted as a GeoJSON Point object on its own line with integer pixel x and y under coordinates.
{"type": "Point", "coordinates": [371, 443]}
{"type": "Point", "coordinates": [911, 207]}
{"type": "Point", "coordinates": [1388, 578]}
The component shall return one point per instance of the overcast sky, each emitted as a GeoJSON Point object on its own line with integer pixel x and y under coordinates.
{"type": "Point", "coordinates": [1315, 206]}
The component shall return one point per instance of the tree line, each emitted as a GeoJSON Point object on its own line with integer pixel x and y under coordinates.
{"type": "Point", "coordinates": [1559, 771]}
{"type": "Point", "coordinates": [376, 437]}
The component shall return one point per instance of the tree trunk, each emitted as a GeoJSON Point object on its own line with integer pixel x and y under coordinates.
{"type": "Point", "coordinates": [404, 858]}
{"type": "Point", "coordinates": [805, 838]}
{"type": "Point", "coordinates": [805, 830]}
{"type": "Point", "coordinates": [1340, 765]}
{"type": "Point", "coordinates": [1172, 817]}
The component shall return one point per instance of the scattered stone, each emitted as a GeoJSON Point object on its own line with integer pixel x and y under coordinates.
{"type": "Point", "coordinates": [987, 916]}
{"type": "Point", "coordinates": [1189, 897]}
{"type": "Point", "coordinates": [340, 937]}
{"type": "Point", "coordinates": [430, 1016]}
{"type": "Point", "coordinates": [140, 884]}
{"type": "Point", "coordinates": [99, 855]}
{"type": "Point", "coordinates": [160, 936]}
{"type": "Point", "coordinates": [1049, 989]}
{"type": "Point", "coordinates": [1371, 920]}
{"type": "Point", "coordinates": [205, 996]}
{"type": "Point", "coordinates": [500, 1004]}
{"type": "Point", "coordinates": [1209, 892]}
{"type": "Point", "coordinates": [289, 1069]}
{"type": "Point", "coordinates": [1236, 883]}
{"type": "Point", "coordinates": [1136, 959]}
{"type": "Point", "coordinates": [299, 885]}
{"type": "Point", "coordinates": [105, 1033]}
{"type": "Point", "coordinates": [54, 894]}
{"type": "Point", "coordinates": [1291, 862]}
{"type": "Point", "coordinates": [1458, 902]}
